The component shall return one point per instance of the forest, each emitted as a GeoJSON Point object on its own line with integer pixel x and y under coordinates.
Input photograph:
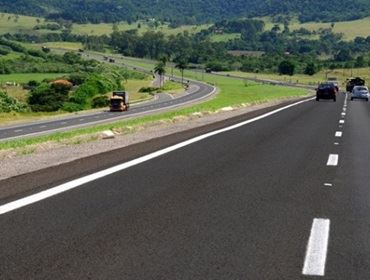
{"type": "Point", "coordinates": [187, 12]}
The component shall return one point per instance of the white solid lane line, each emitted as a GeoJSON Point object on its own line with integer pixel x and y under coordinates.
{"type": "Point", "coordinates": [338, 134]}
{"type": "Point", "coordinates": [317, 248]}
{"type": "Point", "coordinates": [332, 160]}
{"type": "Point", "coordinates": [11, 206]}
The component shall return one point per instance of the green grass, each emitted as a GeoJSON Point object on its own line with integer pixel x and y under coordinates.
{"type": "Point", "coordinates": [224, 37]}
{"type": "Point", "coordinates": [20, 24]}
{"type": "Point", "coordinates": [72, 46]}
{"type": "Point", "coordinates": [233, 92]}
{"type": "Point", "coordinates": [24, 78]}
{"type": "Point", "coordinates": [107, 28]}
{"type": "Point", "coordinates": [172, 88]}
{"type": "Point", "coordinates": [350, 29]}
{"type": "Point", "coordinates": [340, 74]}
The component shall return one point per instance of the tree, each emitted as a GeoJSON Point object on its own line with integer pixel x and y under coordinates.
{"type": "Point", "coordinates": [181, 65]}
{"type": "Point", "coordinates": [286, 67]}
{"type": "Point", "coordinates": [160, 69]}
{"type": "Point", "coordinates": [360, 61]}
{"type": "Point", "coordinates": [310, 69]}
{"type": "Point", "coordinates": [343, 55]}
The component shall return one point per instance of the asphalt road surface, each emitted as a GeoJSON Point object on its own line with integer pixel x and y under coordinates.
{"type": "Point", "coordinates": [284, 196]}
{"type": "Point", "coordinates": [198, 91]}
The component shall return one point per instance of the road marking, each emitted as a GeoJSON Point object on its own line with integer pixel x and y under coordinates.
{"type": "Point", "coordinates": [81, 120]}
{"type": "Point", "coordinates": [341, 121]}
{"type": "Point", "coordinates": [18, 130]}
{"type": "Point", "coordinates": [338, 134]}
{"type": "Point", "coordinates": [328, 185]}
{"type": "Point", "coordinates": [343, 114]}
{"type": "Point", "coordinates": [336, 143]}
{"type": "Point", "coordinates": [64, 122]}
{"type": "Point", "coordinates": [43, 126]}
{"type": "Point", "coordinates": [333, 160]}
{"type": "Point", "coordinates": [317, 248]}
{"type": "Point", "coordinates": [11, 206]}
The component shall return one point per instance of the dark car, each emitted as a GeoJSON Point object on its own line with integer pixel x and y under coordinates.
{"type": "Point", "coordinates": [326, 91]}
{"type": "Point", "coordinates": [352, 82]}
{"type": "Point", "coordinates": [334, 83]}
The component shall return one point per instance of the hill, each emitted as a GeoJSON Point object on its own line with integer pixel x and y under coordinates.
{"type": "Point", "coordinates": [189, 12]}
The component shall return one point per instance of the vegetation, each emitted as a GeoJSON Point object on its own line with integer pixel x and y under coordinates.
{"type": "Point", "coordinates": [9, 104]}
{"type": "Point", "coordinates": [233, 92]}
{"type": "Point", "coordinates": [187, 11]}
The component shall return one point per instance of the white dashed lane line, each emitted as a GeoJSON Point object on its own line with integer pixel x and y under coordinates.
{"type": "Point", "coordinates": [341, 121]}
{"type": "Point", "coordinates": [328, 185]}
{"type": "Point", "coordinates": [338, 134]}
{"type": "Point", "coordinates": [317, 248]}
{"type": "Point", "coordinates": [332, 160]}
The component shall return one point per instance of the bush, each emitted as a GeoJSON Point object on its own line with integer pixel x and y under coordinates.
{"type": "Point", "coordinates": [9, 104]}
{"type": "Point", "coordinates": [286, 67]}
{"type": "Point", "coordinates": [4, 51]}
{"type": "Point", "coordinates": [78, 78]}
{"type": "Point", "coordinates": [310, 69]}
{"type": "Point", "coordinates": [47, 97]}
{"type": "Point", "coordinates": [148, 89]}
{"type": "Point", "coordinates": [72, 107]}
{"type": "Point", "coordinates": [100, 101]}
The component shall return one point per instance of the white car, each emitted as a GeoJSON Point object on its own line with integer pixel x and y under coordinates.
{"type": "Point", "coordinates": [360, 92]}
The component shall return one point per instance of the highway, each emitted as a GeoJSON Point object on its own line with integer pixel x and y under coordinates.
{"type": "Point", "coordinates": [197, 92]}
{"type": "Point", "coordinates": [281, 193]}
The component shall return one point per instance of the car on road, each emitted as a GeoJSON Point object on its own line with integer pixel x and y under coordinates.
{"type": "Point", "coordinates": [326, 91]}
{"type": "Point", "coordinates": [360, 92]}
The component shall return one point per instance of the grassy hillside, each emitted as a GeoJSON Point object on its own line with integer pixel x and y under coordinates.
{"type": "Point", "coordinates": [107, 28]}
{"type": "Point", "coordinates": [11, 23]}
{"type": "Point", "coordinates": [350, 29]}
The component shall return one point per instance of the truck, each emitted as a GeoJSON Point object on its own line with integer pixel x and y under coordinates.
{"type": "Point", "coordinates": [352, 82]}
{"type": "Point", "coordinates": [119, 101]}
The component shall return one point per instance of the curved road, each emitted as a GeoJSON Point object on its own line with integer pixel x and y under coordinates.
{"type": "Point", "coordinates": [198, 91]}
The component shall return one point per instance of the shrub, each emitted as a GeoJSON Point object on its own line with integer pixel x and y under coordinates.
{"type": "Point", "coordinates": [9, 104]}
{"type": "Point", "coordinates": [48, 97]}
{"type": "Point", "coordinates": [100, 101]}
{"type": "Point", "coordinates": [72, 107]}
{"type": "Point", "coordinates": [148, 89]}
{"type": "Point", "coordinates": [286, 67]}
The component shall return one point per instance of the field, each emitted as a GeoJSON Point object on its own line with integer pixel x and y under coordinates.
{"type": "Point", "coordinates": [107, 28]}
{"type": "Point", "coordinates": [224, 37]}
{"type": "Point", "coordinates": [340, 74]}
{"type": "Point", "coordinates": [24, 78]}
{"type": "Point", "coordinates": [10, 23]}
{"type": "Point", "coordinates": [350, 29]}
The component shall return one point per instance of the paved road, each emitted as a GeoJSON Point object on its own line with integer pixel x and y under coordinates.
{"type": "Point", "coordinates": [284, 197]}
{"type": "Point", "coordinates": [198, 91]}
